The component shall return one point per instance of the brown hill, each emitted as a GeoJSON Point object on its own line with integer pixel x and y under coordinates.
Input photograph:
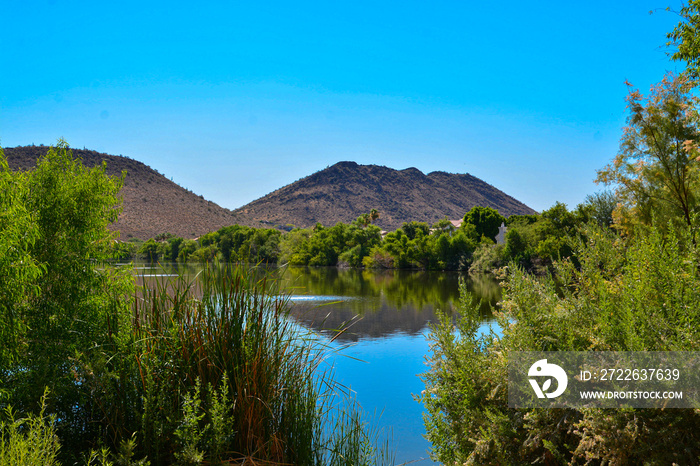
{"type": "Point", "coordinates": [152, 203]}
{"type": "Point", "coordinates": [346, 190]}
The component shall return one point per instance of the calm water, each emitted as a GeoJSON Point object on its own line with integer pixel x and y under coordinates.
{"type": "Point", "coordinates": [384, 348]}
{"type": "Point", "coordinates": [382, 352]}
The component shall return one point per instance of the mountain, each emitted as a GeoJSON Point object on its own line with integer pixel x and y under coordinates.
{"type": "Point", "coordinates": [152, 203]}
{"type": "Point", "coordinates": [346, 190]}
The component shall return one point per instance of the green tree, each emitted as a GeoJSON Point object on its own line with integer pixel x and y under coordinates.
{"type": "Point", "coordinates": [413, 229]}
{"type": "Point", "coordinates": [655, 173]}
{"type": "Point", "coordinates": [175, 243]}
{"type": "Point", "coordinates": [293, 249]}
{"type": "Point", "coordinates": [189, 246]}
{"type": "Point", "coordinates": [685, 37]}
{"type": "Point", "coordinates": [443, 225]}
{"type": "Point", "coordinates": [18, 268]}
{"type": "Point", "coordinates": [516, 244]}
{"type": "Point", "coordinates": [62, 323]}
{"type": "Point", "coordinates": [124, 251]}
{"type": "Point", "coordinates": [400, 247]}
{"type": "Point", "coordinates": [150, 250]}
{"type": "Point", "coordinates": [485, 219]}
{"type": "Point", "coordinates": [601, 206]}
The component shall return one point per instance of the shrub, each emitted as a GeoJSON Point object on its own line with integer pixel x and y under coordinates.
{"type": "Point", "coordinates": [28, 441]}
{"type": "Point", "coordinates": [641, 295]}
{"type": "Point", "coordinates": [378, 259]}
{"type": "Point", "coordinates": [487, 258]}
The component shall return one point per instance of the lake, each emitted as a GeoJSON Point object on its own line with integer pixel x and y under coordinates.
{"type": "Point", "coordinates": [383, 349]}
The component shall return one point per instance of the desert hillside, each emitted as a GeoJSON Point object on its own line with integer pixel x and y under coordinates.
{"type": "Point", "coordinates": [344, 191]}
{"type": "Point", "coordinates": [152, 203]}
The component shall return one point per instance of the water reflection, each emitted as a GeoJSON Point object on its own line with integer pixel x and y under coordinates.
{"type": "Point", "coordinates": [387, 302]}
{"type": "Point", "coordinates": [378, 304]}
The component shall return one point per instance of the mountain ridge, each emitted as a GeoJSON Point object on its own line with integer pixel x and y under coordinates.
{"type": "Point", "coordinates": [153, 204]}
{"type": "Point", "coordinates": [345, 190]}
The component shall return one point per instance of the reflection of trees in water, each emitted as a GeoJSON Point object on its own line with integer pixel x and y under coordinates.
{"type": "Point", "coordinates": [488, 290]}
{"type": "Point", "coordinates": [387, 301]}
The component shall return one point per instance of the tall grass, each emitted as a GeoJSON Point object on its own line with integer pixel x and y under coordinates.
{"type": "Point", "coordinates": [225, 375]}
{"type": "Point", "coordinates": [201, 370]}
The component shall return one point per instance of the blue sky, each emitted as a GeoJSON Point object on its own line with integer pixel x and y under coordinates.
{"type": "Point", "coordinates": [235, 99]}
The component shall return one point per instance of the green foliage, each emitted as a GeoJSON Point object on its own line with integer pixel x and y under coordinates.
{"type": "Point", "coordinates": [28, 441]}
{"type": "Point", "coordinates": [189, 246]}
{"type": "Point", "coordinates": [486, 221]}
{"type": "Point", "coordinates": [18, 268]}
{"type": "Point", "coordinates": [150, 251]}
{"type": "Point", "coordinates": [188, 431]}
{"type": "Point", "coordinates": [172, 252]}
{"type": "Point", "coordinates": [641, 294]}
{"type": "Point", "coordinates": [656, 172]}
{"type": "Point", "coordinates": [517, 245]}
{"type": "Point", "coordinates": [413, 229]}
{"type": "Point", "coordinates": [600, 207]}
{"type": "Point", "coordinates": [443, 226]}
{"type": "Point", "coordinates": [416, 246]}
{"type": "Point", "coordinates": [522, 219]}
{"type": "Point", "coordinates": [487, 258]}
{"type": "Point", "coordinates": [204, 254]}
{"type": "Point", "coordinates": [378, 259]}
{"type": "Point", "coordinates": [63, 319]}
{"type": "Point", "coordinates": [399, 246]}
{"type": "Point", "coordinates": [685, 37]}
{"type": "Point", "coordinates": [560, 221]}
{"type": "Point", "coordinates": [235, 243]}
{"type": "Point", "coordinates": [536, 241]}
{"type": "Point", "coordinates": [123, 251]}
{"type": "Point", "coordinates": [292, 247]}
{"type": "Point", "coordinates": [342, 243]}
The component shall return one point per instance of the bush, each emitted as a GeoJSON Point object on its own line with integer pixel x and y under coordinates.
{"type": "Point", "coordinates": [63, 318]}
{"type": "Point", "coordinates": [487, 258]}
{"type": "Point", "coordinates": [378, 259]}
{"type": "Point", "coordinates": [29, 441]}
{"type": "Point", "coordinates": [642, 295]}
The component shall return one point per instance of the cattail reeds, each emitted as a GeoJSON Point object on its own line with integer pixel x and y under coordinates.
{"type": "Point", "coordinates": [224, 375]}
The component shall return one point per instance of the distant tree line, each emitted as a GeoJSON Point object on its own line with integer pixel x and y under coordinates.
{"type": "Point", "coordinates": [532, 241]}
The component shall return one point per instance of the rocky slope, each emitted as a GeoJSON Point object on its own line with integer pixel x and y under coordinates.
{"type": "Point", "coordinates": [344, 191]}
{"type": "Point", "coordinates": [152, 203]}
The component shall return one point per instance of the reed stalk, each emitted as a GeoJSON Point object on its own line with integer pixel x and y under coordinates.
{"type": "Point", "coordinates": [226, 338]}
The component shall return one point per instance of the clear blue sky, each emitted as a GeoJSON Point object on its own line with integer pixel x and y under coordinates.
{"type": "Point", "coordinates": [235, 99]}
